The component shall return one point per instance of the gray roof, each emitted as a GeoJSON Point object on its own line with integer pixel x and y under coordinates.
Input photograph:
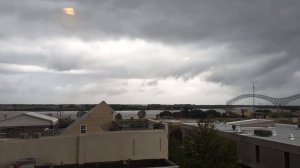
{"type": "Point", "coordinates": [283, 131]}
{"type": "Point", "coordinates": [42, 116]}
{"type": "Point", "coordinates": [28, 119]}
{"type": "Point", "coordinates": [250, 121]}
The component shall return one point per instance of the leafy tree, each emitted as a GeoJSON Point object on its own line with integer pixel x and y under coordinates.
{"type": "Point", "coordinates": [166, 114]}
{"type": "Point", "coordinates": [203, 147]}
{"type": "Point", "coordinates": [176, 152]}
{"type": "Point", "coordinates": [118, 117]}
{"type": "Point", "coordinates": [141, 114]}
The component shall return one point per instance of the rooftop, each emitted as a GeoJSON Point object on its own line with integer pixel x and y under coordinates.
{"type": "Point", "coordinates": [248, 122]}
{"type": "Point", "coordinates": [18, 120]}
{"type": "Point", "coordinates": [281, 133]}
{"type": "Point", "coordinates": [149, 163]}
{"type": "Point", "coordinates": [42, 116]}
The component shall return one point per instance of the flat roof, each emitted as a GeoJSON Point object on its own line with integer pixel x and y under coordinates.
{"type": "Point", "coordinates": [250, 121]}
{"type": "Point", "coordinates": [42, 116]}
{"type": "Point", "coordinates": [148, 163]}
{"type": "Point", "coordinates": [283, 131]}
{"type": "Point", "coordinates": [14, 122]}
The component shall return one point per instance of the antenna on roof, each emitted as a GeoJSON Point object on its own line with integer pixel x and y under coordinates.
{"type": "Point", "coordinates": [253, 94]}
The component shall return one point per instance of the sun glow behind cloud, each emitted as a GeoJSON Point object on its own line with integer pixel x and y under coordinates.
{"type": "Point", "coordinates": [69, 11]}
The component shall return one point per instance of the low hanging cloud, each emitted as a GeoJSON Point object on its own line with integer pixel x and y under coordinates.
{"type": "Point", "coordinates": [223, 44]}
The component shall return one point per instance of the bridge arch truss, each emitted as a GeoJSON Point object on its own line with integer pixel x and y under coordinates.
{"type": "Point", "coordinates": [275, 101]}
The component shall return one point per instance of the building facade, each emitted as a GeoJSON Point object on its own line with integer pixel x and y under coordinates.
{"type": "Point", "coordinates": [279, 149]}
{"type": "Point", "coordinates": [97, 120]}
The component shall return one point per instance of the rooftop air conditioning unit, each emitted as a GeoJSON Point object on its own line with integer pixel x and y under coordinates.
{"type": "Point", "coordinates": [263, 133]}
{"type": "Point", "coordinates": [25, 163]}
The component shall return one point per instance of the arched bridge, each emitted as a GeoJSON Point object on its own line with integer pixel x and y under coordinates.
{"type": "Point", "coordinates": [276, 101]}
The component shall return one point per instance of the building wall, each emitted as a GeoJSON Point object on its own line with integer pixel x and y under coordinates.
{"type": "Point", "coordinates": [99, 119]}
{"type": "Point", "coordinates": [294, 160]}
{"type": "Point", "coordinates": [261, 124]}
{"type": "Point", "coordinates": [246, 153]}
{"type": "Point", "coordinates": [108, 146]}
{"type": "Point", "coordinates": [271, 154]}
{"type": "Point", "coordinates": [45, 150]}
{"type": "Point", "coordinates": [271, 158]}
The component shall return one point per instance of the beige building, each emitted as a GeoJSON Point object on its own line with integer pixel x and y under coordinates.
{"type": "Point", "coordinates": [89, 140]}
{"type": "Point", "coordinates": [90, 148]}
{"type": "Point", "coordinates": [98, 119]}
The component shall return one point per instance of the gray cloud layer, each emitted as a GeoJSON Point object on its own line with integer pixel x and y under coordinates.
{"type": "Point", "coordinates": [255, 40]}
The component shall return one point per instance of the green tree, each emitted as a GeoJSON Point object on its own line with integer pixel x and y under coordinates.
{"type": "Point", "coordinates": [141, 114]}
{"type": "Point", "coordinates": [176, 153]}
{"type": "Point", "coordinates": [206, 147]}
{"type": "Point", "coordinates": [118, 117]}
{"type": "Point", "coordinates": [203, 147]}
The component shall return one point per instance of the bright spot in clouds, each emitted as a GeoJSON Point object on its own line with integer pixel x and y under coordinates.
{"type": "Point", "coordinates": [187, 58]}
{"type": "Point", "coordinates": [69, 11]}
{"type": "Point", "coordinates": [171, 51]}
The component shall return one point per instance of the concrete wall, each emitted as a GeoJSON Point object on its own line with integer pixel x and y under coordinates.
{"type": "Point", "coordinates": [271, 158]}
{"type": "Point", "coordinates": [246, 153]}
{"type": "Point", "coordinates": [294, 160]}
{"type": "Point", "coordinates": [108, 146]}
{"type": "Point", "coordinates": [261, 124]}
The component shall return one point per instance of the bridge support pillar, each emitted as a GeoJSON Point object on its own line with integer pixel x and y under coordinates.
{"type": "Point", "coordinates": [228, 110]}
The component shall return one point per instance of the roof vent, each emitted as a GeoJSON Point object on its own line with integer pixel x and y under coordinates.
{"type": "Point", "coordinates": [263, 133]}
{"type": "Point", "coordinates": [291, 137]}
{"type": "Point", "coordinates": [239, 129]}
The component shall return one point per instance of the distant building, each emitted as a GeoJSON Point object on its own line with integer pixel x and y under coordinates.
{"type": "Point", "coordinates": [98, 119]}
{"type": "Point", "coordinates": [27, 124]}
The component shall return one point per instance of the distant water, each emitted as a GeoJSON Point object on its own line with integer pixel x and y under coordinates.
{"type": "Point", "coordinates": [72, 114]}
{"type": "Point", "coordinates": [152, 113]}
{"type": "Point", "coordinates": [133, 113]}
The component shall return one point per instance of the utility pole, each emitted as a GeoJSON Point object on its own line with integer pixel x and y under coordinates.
{"type": "Point", "coordinates": [253, 95]}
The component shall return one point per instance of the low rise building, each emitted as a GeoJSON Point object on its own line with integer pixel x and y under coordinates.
{"type": "Point", "coordinates": [96, 144]}
{"type": "Point", "coordinates": [260, 145]}
{"type": "Point", "coordinates": [28, 124]}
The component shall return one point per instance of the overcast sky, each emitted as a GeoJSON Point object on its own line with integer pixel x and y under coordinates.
{"type": "Point", "coordinates": [147, 51]}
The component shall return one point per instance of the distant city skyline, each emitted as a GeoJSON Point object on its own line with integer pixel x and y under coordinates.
{"type": "Point", "coordinates": [147, 52]}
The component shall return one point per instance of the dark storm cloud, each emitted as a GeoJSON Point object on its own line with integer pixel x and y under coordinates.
{"type": "Point", "coordinates": [261, 36]}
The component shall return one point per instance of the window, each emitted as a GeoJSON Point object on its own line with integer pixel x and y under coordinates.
{"type": "Point", "coordinates": [286, 160]}
{"type": "Point", "coordinates": [82, 129]}
{"type": "Point", "coordinates": [257, 153]}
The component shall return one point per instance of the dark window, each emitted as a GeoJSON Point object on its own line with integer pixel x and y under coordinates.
{"type": "Point", "coordinates": [286, 160]}
{"type": "Point", "coordinates": [82, 129]}
{"type": "Point", "coordinates": [257, 153]}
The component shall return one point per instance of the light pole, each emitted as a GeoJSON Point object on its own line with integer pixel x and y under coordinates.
{"type": "Point", "coordinates": [253, 95]}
